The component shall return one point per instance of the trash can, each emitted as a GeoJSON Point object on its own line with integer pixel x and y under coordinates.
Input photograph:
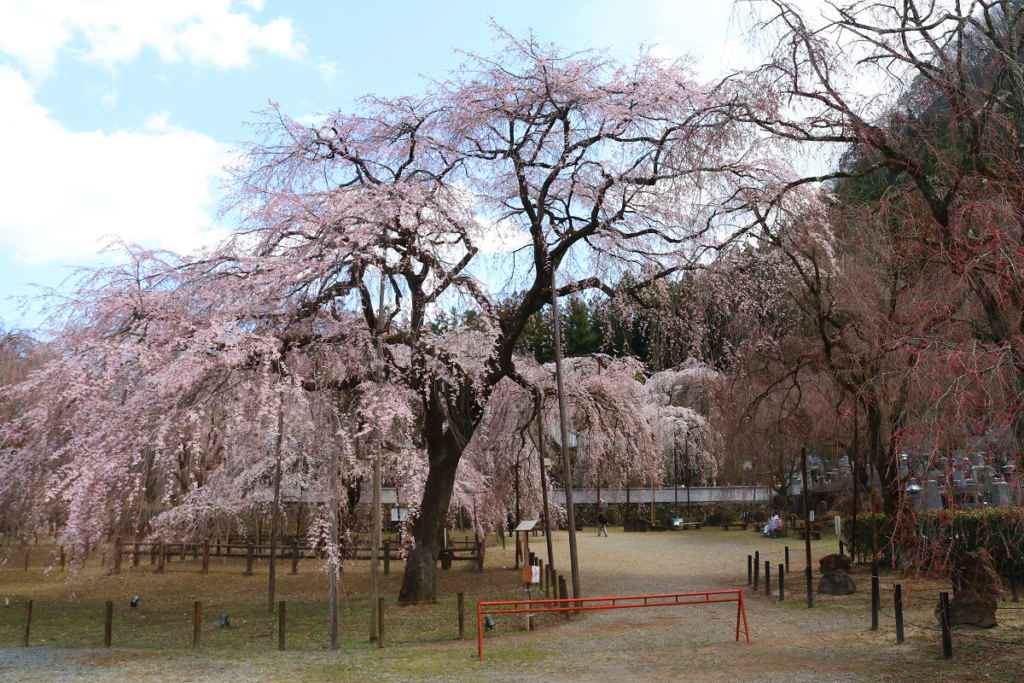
{"type": "Point", "coordinates": [446, 558]}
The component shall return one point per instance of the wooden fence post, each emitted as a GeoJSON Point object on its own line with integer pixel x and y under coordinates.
{"type": "Point", "coordinates": [117, 556]}
{"type": "Point", "coordinates": [135, 554]}
{"type": "Point", "coordinates": [27, 625]}
{"type": "Point", "coordinates": [947, 636]}
{"type": "Point", "coordinates": [108, 623]}
{"type": "Point", "coordinates": [248, 559]}
{"type": "Point", "coordinates": [161, 558]}
{"type": "Point", "coordinates": [563, 592]}
{"type": "Point", "coordinates": [462, 616]}
{"type": "Point", "coordinates": [387, 557]}
{"type": "Point", "coordinates": [152, 553]}
{"type": "Point", "coordinates": [280, 625]}
{"type": "Point", "coordinates": [874, 596]}
{"type": "Point", "coordinates": [782, 583]}
{"type": "Point", "coordinates": [63, 558]}
{"type": "Point", "coordinates": [206, 557]}
{"type": "Point", "coordinates": [897, 600]}
{"type": "Point", "coordinates": [380, 622]}
{"type": "Point", "coordinates": [295, 557]}
{"type": "Point", "coordinates": [197, 623]}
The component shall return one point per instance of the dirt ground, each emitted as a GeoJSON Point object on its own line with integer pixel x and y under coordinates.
{"type": "Point", "coordinates": [789, 642]}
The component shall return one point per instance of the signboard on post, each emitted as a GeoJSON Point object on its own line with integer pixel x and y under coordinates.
{"type": "Point", "coordinates": [839, 526]}
{"type": "Point", "coordinates": [531, 573]}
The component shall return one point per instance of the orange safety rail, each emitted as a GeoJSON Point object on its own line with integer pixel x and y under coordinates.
{"type": "Point", "coordinates": [585, 604]}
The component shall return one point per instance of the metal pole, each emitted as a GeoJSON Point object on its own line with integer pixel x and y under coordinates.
{"type": "Point", "coordinates": [782, 583]}
{"type": "Point", "coordinates": [564, 428]}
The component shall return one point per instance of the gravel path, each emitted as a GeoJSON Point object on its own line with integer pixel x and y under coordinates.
{"type": "Point", "coordinates": [789, 642]}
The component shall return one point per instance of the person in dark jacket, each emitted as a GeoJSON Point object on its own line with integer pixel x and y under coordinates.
{"type": "Point", "coordinates": [602, 523]}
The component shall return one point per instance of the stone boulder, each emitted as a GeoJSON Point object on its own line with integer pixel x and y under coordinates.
{"type": "Point", "coordinates": [970, 609]}
{"type": "Point", "coordinates": [837, 582]}
{"type": "Point", "coordinates": [834, 563]}
{"type": "Point", "coordinates": [976, 602]}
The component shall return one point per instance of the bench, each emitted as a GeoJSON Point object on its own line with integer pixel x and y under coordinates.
{"type": "Point", "coordinates": [685, 524]}
{"type": "Point", "coordinates": [739, 525]}
{"type": "Point", "coordinates": [469, 552]}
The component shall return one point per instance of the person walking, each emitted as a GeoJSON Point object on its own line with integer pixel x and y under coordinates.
{"type": "Point", "coordinates": [602, 524]}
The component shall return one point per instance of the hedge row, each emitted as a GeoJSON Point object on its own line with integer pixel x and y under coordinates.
{"type": "Point", "coordinates": [931, 541]}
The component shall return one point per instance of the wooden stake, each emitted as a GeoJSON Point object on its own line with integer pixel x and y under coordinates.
{"type": "Point", "coordinates": [897, 603]}
{"type": "Point", "coordinates": [280, 625]}
{"type": "Point", "coordinates": [380, 622]}
{"type": "Point", "coordinates": [28, 624]}
{"type": "Point", "coordinates": [462, 616]}
{"type": "Point", "coordinates": [197, 623]}
{"type": "Point", "coordinates": [947, 636]}
{"type": "Point", "coordinates": [108, 623]}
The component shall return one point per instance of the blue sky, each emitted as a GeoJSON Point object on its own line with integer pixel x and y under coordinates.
{"type": "Point", "coordinates": [119, 114]}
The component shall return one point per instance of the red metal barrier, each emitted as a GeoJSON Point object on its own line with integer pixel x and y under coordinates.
{"type": "Point", "coordinates": [585, 604]}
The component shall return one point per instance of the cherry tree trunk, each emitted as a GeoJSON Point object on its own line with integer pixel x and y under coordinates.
{"type": "Point", "coordinates": [444, 450]}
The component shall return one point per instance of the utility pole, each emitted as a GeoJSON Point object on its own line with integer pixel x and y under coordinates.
{"type": "Point", "coordinates": [807, 524]}
{"type": "Point", "coordinates": [675, 475]}
{"type": "Point", "coordinates": [379, 443]}
{"type": "Point", "coordinates": [275, 523]}
{"type": "Point", "coordinates": [544, 483]}
{"type": "Point", "coordinates": [856, 476]}
{"type": "Point", "coordinates": [518, 516]}
{"type": "Point", "coordinates": [335, 633]}
{"type": "Point", "coordinates": [564, 428]}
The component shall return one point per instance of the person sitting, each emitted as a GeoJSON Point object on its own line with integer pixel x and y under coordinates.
{"type": "Point", "coordinates": [774, 527]}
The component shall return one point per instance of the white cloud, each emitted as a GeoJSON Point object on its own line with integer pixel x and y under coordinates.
{"type": "Point", "coordinates": [65, 194]}
{"type": "Point", "coordinates": [202, 32]}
